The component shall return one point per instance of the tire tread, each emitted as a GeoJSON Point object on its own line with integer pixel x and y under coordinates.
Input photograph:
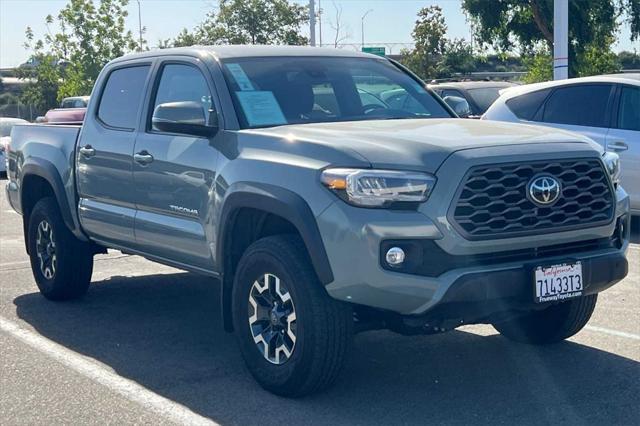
{"type": "Point", "coordinates": [331, 321]}
{"type": "Point", "coordinates": [75, 259]}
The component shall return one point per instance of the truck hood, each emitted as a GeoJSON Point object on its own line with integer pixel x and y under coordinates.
{"type": "Point", "coordinates": [419, 144]}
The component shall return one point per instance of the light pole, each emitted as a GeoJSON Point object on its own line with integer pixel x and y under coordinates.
{"type": "Point", "coordinates": [312, 22]}
{"type": "Point", "coordinates": [139, 25]}
{"type": "Point", "coordinates": [362, 25]}
{"type": "Point", "coordinates": [320, 20]}
{"type": "Point", "coordinates": [560, 39]}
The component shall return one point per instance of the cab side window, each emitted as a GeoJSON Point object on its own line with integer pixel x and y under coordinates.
{"type": "Point", "coordinates": [121, 97]}
{"type": "Point", "coordinates": [183, 83]}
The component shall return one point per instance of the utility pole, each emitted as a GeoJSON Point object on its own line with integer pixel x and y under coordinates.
{"type": "Point", "coordinates": [560, 39]}
{"type": "Point", "coordinates": [312, 22]}
{"type": "Point", "coordinates": [362, 25]}
{"type": "Point", "coordinates": [320, 21]}
{"type": "Point", "coordinates": [140, 25]}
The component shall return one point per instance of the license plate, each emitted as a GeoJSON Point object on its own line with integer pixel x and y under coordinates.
{"type": "Point", "coordinates": [558, 282]}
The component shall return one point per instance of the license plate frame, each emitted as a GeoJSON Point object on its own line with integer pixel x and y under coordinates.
{"type": "Point", "coordinates": [558, 282]}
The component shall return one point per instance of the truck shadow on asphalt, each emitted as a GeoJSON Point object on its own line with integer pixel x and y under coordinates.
{"type": "Point", "coordinates": [164, 332]}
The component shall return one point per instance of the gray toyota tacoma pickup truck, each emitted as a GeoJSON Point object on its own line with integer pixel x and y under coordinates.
{"type": "Point", "coordinates": [329, 192]}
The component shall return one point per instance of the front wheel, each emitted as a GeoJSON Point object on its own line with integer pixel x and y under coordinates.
{"type": "Point", "coordinates": [550, 325]}
{"type": "Point", "coordinates": [61, 264]}
{"type": "Point", "coordinates": [293, 336]}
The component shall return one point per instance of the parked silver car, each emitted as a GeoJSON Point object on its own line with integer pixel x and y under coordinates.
{"type": "Point", "coordinates": [604, 108]}
{"type": "Point", "coordinates": [6, 123]}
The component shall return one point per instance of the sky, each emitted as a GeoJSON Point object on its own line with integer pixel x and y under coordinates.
{"type": "Point", "coordinates": [390, 21]}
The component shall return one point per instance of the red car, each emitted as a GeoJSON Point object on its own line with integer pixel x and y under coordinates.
{"type": "Point", "coordinates": [65, 115]}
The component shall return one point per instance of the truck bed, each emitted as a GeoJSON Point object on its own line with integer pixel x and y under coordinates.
{"type": "Point", "coordinates": [50, 148]}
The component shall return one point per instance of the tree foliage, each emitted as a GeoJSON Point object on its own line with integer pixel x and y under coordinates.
{"type": "Point", "coordinates": [80, 40]}
{"type": "Point", "coordinates": [434, 55]}
{"type": "Point", "coordinates": [527, 26]}
{"type": "Point", "coordinates": [540, 67]}
{"type": "Point", "coordinates": [249, 22]}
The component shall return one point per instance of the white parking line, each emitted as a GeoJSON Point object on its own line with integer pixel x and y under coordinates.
{"type": "Point", "coordinates": [612, 332]}
{"type": "Point", "coordinates": [19, 262]}
{"type": "Point", "coordinates": [100, 374]}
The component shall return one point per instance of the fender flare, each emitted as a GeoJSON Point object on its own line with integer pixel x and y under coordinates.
{"type": "Point", "coordinates": [46, 170]}
{"type": "Point", "coordinates": [280, 202]}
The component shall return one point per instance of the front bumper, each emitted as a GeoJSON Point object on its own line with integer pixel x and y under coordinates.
{"type": "Point", "coordinates": [353, 237]}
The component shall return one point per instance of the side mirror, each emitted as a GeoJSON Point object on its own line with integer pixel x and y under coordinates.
{"type": "Point", "coordinates": [459, 105]}
{"type": "Point", "coordinates": [186, 117]}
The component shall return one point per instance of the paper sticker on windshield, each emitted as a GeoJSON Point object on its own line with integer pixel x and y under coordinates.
{"type": "Point", "coordinates": [261, 108]}
{"type": "Point", "coordinates": [240, 77]}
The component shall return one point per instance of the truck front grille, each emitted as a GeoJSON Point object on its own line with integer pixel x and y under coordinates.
{"type": "Point", "coordinates": [493, 202]}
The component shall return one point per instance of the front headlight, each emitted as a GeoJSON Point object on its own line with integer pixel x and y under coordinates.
{"type": "Point", "coordinates": [612, 163]}
{"type": "Point", "coordinates": [379, 188]}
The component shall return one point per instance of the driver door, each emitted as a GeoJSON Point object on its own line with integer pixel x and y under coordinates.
{"type": "Point", "coordinates": [174, 173]}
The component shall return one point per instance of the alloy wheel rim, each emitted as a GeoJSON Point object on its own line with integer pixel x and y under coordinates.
{"type": "Point", "coordinates": [272, 319]}
{"type": "Point", "coordinates": [46, 250]}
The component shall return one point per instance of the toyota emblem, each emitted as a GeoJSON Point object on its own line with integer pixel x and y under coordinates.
{"type": "Point", "coordinates": [544, 190]}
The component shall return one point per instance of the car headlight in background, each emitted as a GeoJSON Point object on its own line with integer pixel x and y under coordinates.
{"type": "Point", "coordinates": [612, 163]}
{"type": "Point", "coordinates": [378, 188]}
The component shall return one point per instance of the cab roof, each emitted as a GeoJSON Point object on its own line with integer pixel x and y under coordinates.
{"type": "Point", "coordinates": [245, 51]}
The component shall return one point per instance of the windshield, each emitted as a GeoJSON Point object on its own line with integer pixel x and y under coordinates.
{"type": "Point", "coordinates": [484, 97]}
{"type": "Point", "coordinates": [273, 91]}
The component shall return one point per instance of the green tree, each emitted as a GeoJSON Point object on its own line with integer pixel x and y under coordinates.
{"type": "Point", "coordinates": [629, 60]}
{"type": "Point", "coordinates": [594, 61]}
{"type": "Point", "coordinates": [249, 22]}
{"type": "Point", "coordinates": [527, 25]}
{"type": "Point", "coordinates": [185, 38]}
{"type": "Point", "coordinates": [435, 56]}
{"type": "Point", "coordinates": [539, 67]}
{"type": "Point", "coordinates": [457, 58]}
{"type": "Point", "coordinates": [430, 42]}
{"type": "Point", "coordinates": [80, 40]}
{"type": "Point", "coordinates": [44, 82]}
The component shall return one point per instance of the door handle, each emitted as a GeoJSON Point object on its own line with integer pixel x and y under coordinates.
{"type": "Point", "coordinates": [87, 151]}
{"type": "Point", "coordinates": [618, 146]}
{"type": "Point", "coordinates": [143, 157]}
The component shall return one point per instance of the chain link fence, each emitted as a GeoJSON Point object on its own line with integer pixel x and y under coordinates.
{"type": "Point", "coordinates": [10, 103]}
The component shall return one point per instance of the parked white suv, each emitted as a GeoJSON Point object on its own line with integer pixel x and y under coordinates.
{"type": "Point", "coordinates": [605, 108]}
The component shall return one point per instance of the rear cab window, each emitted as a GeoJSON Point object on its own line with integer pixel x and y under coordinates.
{"type": "Point", "coordinates": [121, 96]}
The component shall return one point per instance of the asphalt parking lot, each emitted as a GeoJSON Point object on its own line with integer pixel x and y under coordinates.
{"type": "Point", "coordinates": [146, 346]}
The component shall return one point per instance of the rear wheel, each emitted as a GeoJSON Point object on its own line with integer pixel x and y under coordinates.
{"type": "Point", "coordinates": [293, 336]}
{"type": "Point", "coordinates": [551, 325]}
{"type": "Point", "coordinates": [61, 264]}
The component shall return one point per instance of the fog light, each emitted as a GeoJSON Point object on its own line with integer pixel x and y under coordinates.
{"type": "Point", "coordinates": [395, 256]}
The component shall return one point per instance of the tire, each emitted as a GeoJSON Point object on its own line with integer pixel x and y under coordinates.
{"type": "Point", "coordinates": [62, 270]}
{"type": "Point", "coordinates": [322, 326]}
{"type": "Point", "coordinates": [551, 325]}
